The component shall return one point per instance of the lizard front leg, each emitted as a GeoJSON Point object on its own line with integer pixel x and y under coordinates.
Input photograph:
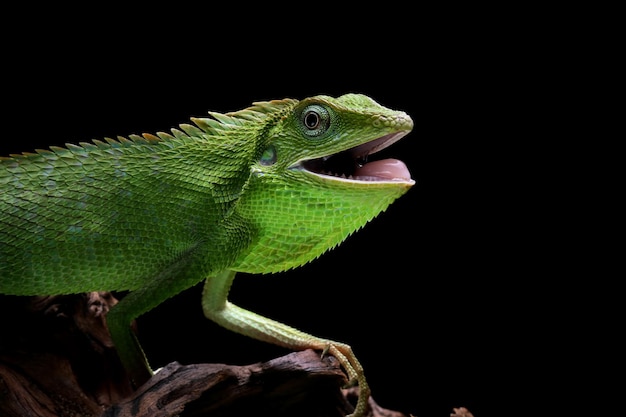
{"type": "Point", "coordinates": [218, 309]}
{"type": "Point", "coordinates": [179, 276]}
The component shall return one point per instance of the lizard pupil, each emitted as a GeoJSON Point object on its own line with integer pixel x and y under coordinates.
{"type": "Point", "coordinates": [311, 120]}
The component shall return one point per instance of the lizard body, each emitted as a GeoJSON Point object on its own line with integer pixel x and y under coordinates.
{"type": "Point", "coordinates": [259, 190]}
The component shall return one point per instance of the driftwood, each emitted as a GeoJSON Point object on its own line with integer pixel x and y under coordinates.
{"type": "Point", "coordinates": [57, 359]}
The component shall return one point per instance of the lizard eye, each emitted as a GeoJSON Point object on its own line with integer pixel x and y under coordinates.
{"type": "Point", "coordinates": [315, 120]}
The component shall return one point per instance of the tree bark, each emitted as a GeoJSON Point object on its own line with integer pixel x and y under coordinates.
{"type": "Point", "coordinates": [57, 360]}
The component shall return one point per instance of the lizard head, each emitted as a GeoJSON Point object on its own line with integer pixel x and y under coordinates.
{"type": "Point", "coordinates": [341, 134]}
{"type": "Point", "coordinates": [314, 180]}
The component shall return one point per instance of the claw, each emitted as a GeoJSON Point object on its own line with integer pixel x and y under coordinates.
{"type": "Point", "coordinates": [325, 351]}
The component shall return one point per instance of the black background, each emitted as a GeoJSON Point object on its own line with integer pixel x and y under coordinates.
{"type": "Point", "coordinates": [436, 295]}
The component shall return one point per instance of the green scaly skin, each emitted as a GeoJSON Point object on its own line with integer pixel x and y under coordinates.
{"type": "Point", "coordinates": [156, 214]}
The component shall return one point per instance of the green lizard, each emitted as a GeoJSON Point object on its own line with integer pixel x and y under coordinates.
{"type": "Point", "coordinates": [259, 190]}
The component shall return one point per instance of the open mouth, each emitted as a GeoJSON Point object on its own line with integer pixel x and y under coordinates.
{"type": "Point", "coordinates": [352, 164]}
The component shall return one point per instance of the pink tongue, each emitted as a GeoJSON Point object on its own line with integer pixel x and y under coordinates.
{"type": "Point", "coordinates": [386, 169]}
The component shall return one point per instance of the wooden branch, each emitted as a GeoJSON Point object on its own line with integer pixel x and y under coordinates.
{"type": "Point", "coordinates": [295, 384]}
{"type": "Point", "coordinates": [461, 412]}
{"type": "Point", "coordinates": [57, 360]}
